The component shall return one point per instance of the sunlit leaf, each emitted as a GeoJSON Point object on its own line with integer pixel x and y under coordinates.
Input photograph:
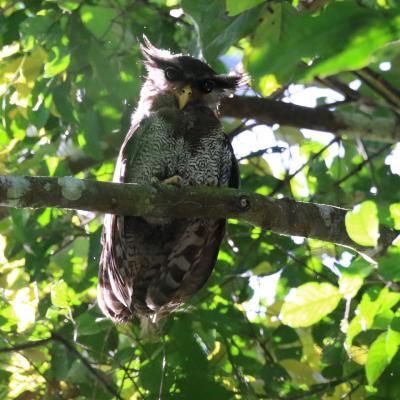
{"type": "Point", "coordinates": [236, 7]}
{"type": "Point", "coordinates": [362, 224]}
{"type": "Point", "coordinates": [395, 214]}
{"type": "Point", "coordinates": [309, 303]}
{"type": "Point", "coordinates": [59, 295]}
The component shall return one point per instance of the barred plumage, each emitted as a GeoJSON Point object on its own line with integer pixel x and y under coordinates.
{"type": "Point", "coordinates": [149, 267]}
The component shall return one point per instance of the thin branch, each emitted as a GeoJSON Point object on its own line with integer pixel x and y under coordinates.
{"type": "Point", "coordinates": [339, 86]}
{"type": "Point", "coordinates": [324, 386]}
{"type": "Point", "coordinates": [360, 166]}
{"type": "Point", "coordinates": [380, 86]}
{"type": "Point", "coordinates": [56, 337]}
{"type": "Point", "coordinates": [284, 216]}
{"type": "Point", "coordinates": [289, 177]}
{"type": "Point", "coordinates": [70, 347]}
{"type": "Point", "coordinates": [25, 346]}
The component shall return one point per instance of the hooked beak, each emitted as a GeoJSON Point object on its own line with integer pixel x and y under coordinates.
{"type": "Point", "coordinates": [184, 96]}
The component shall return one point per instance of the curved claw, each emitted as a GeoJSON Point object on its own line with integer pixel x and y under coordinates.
{"type": "Point", "coordinates": [175, 180]}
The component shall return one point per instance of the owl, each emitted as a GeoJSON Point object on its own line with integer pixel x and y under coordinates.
{"type": "Point", "coordinates": [149, 266]}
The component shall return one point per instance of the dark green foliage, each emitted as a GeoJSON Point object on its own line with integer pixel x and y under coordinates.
{"type": "Point", "coordinates": [70, 75]}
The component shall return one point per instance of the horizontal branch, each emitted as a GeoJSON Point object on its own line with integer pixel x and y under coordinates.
{"type": "Point", "coordinates": [350, 124]}
{"type": "Point", "coordinates": [284, 216]}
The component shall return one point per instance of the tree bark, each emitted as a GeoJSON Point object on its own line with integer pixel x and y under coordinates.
{"type": "Point", "coordinates": [283, 216]}
{"type": "Point", "coordinates": [350, 124]}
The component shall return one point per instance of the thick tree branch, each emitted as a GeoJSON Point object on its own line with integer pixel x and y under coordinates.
{"type": "Point", "coordinates": [284, 216]}
{"type": "Point", "coordinates": [349, 124]}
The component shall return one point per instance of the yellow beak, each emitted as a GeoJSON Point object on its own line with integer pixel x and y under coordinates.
{"type": "Point", "coordinates": [184, 96]}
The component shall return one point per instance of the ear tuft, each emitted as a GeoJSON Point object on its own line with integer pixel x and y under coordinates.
{"type": "Point", "coordinates": [154, 57]}
{"type": "Point", "coordinates": [232, 82]}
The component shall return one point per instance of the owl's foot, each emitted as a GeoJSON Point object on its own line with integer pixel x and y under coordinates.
{"type": "Point", "coordinates": [175, 180]}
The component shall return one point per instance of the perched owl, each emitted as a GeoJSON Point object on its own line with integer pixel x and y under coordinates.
{"type": "Point", "coordinates": [148, 266]}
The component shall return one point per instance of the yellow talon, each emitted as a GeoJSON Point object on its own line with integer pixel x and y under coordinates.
{"type": "Point", "coordinates": [175, 180]}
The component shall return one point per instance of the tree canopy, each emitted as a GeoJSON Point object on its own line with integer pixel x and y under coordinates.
{"type": "Point", "coordinates": [283, 316]}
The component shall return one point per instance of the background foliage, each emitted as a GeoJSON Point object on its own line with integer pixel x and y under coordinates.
{"type": "Point", "coordinates": [281, 317]}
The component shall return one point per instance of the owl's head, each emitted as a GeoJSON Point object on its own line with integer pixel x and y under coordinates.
{"type": "Point", "coordinates": [186, 79]}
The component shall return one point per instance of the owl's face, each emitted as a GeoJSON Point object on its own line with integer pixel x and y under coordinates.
{"type": "Point", "coordinates": [187, 80]}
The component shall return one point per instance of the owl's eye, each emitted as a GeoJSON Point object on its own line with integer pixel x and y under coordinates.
{"type": "Point", "coordinates": [207, 86]}
{"type": "Point", "coordinates": [172, 74]}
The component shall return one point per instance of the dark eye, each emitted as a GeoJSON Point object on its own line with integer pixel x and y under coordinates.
{"type": "Point", "coordinates": [172, 74]}
{"type": "Point", "coordinates": [207, 86]}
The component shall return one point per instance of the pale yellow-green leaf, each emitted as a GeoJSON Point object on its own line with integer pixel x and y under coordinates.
{"type": "Point", "coordinates": [395, 214]}
{"type": "Point", "coordinates": [311, 351]}
{"type": "Point", "coordinates": [309, 303]}
{"type": "Point", "coordinates": [362, 223]}
{"type": "Point", "coordinates": [358, 354]}
{"type": "Point", "coordinates": [9, 50]}
{"type": "Point", "coordinates": [263, 268]}
{"type": "Point", "coordinates": [349, 285]}
{"type": "Point", "coordinates": [59, 295]}
{"type": "Point", "coordinates": [268, 84]}
{"type": "Point", "coordinates": [301, 372]}
{"type": "Point", "coordinates": [24, 303]}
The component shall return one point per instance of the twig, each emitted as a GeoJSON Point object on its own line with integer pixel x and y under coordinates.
{"type": "Point", "coordinates": [27, 345]}
{"type": "Point", "coordinates": [57, 337]}
{"type": "Point", "coordinates": [324, 386]}
{"type": "Point", "coordinates": [163, 371]}
{"type": "Point", "coordinates": [309, 161]}
{"type": "Point", "coordinates": [379, 85]}
{"type": "Point", "coordinates": [360, 166]}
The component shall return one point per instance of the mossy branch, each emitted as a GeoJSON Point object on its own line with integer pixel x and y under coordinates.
{"type": "Point", "coordinates": [283, 216]}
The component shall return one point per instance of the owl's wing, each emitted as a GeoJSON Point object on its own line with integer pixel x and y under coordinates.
{"type": "Point", "coordinates": [234, 173]}
{"type": "Point", "coordinates": [114, 289]}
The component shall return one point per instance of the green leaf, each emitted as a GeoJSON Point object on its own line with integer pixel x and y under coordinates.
{"type": "Point", "coordinates": [395, 214]}
{"type": "Point", "coordinates": [88, 324]}
{"type": "Point", "coordinates": [374, 303]}
{"type": "Point", "coordinates": [389, 266]}
{"type": "Point", "coordinates": [235, 7]}
{"type": "Point", "coordinates": [217, 37]}
{"type": "Point", "coordinates": [59, 59]}
{"type": "Point", "coordinates": [69, 5]}
{"type": "Point", "coordinates": [362, 224]}
{"type": "Point", "coordinates": [349, 285]}
{"type": "Point", "coordinates": [59, 295]}
{"type": "Point", "coordinates": [98, 19]}
{"type": "Point", "coordinates": [381, 353]}
{"type": "Point", "coordinates": [358, 267]}
{"type": "Point", "coordinates": [362, 31]}
{"type": "Point", "coordinates": [309, 303]}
